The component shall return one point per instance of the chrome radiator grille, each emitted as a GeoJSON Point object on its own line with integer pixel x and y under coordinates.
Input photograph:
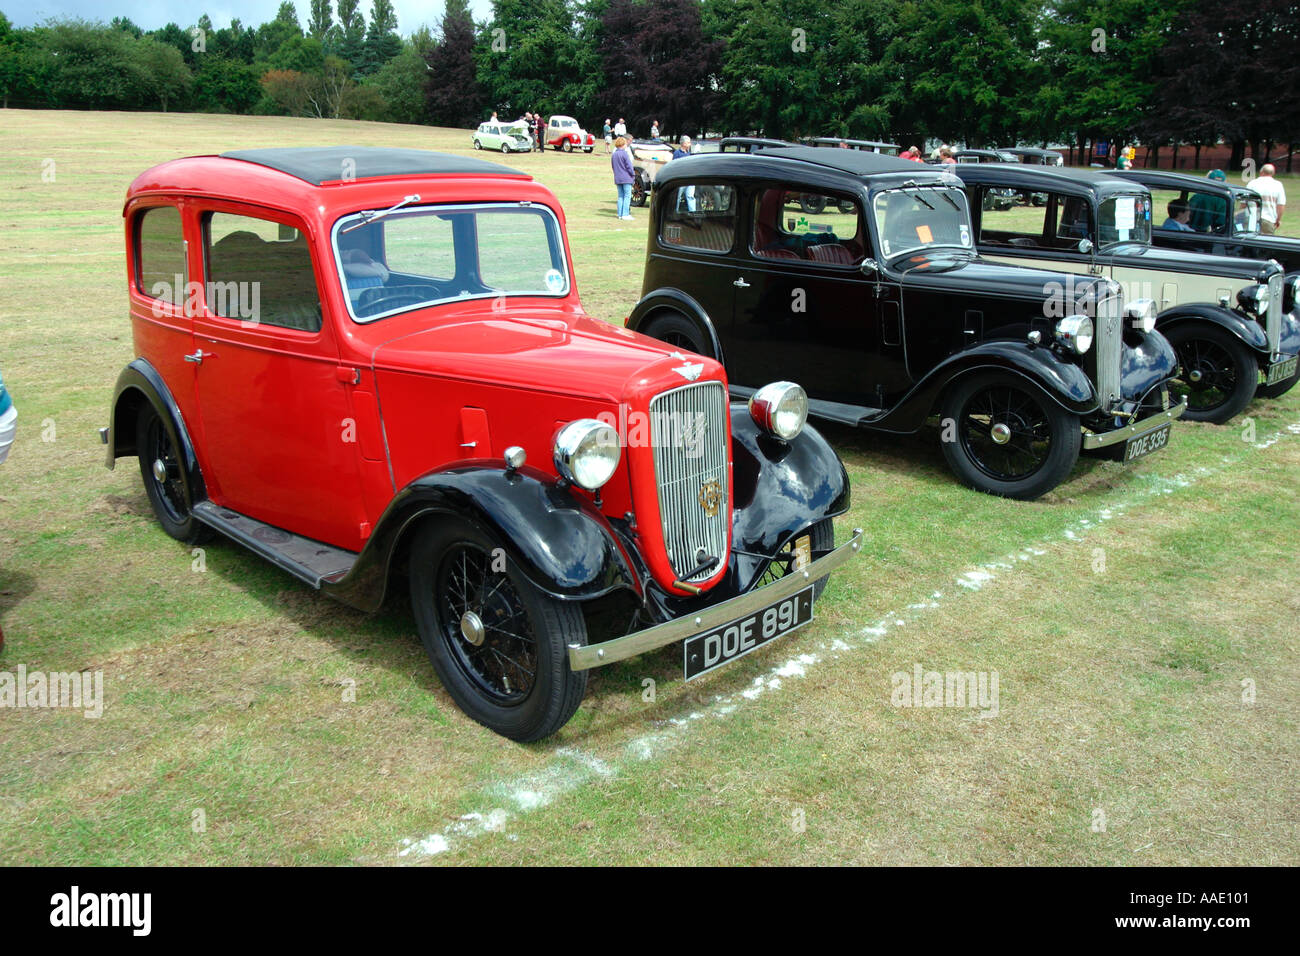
{"type": "Point", "coordinates": [1273, 324]}
{"type": "Point", "coordinates": [1108, 344]}
{"type": "Point", "coordinates": [688, 433]}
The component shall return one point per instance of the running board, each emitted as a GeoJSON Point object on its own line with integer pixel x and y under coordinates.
{"type": "Point", "coordinates": [305, 559]}
{"type": "Point", "coordinates": [834, 411]}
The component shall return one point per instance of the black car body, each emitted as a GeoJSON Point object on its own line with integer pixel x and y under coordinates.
{"type": "Point", "coordinates": [891, 317]}
{"type": "Point", "coordinates": [1037, 157]}
{"type": "Point", "coordinates": [1224, 222]}
{"type": "Point", "coordinates": [985, 156]}
{"type": "Point", "coordinates": [1233, 322]}
{"type": "Point", "coordinates": [866, 145]}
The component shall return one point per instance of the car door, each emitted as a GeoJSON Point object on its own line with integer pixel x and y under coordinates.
{"type": "Point", "coordinates": [803, 310]}
{"type": "Point", "coordinates": [279, 442]}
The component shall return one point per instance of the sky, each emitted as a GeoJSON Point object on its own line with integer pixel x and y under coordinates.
{"type": "Point", "coordinates": [151, 14]}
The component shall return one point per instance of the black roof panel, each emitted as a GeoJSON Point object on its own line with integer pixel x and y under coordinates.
{"type": "Point", "coordinates": [324, 164]}
{"type": "Point", "coordinates": [856, 161]}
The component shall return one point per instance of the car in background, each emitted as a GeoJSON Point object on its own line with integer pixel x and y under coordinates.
{"type": "Point", "coordinates": [866, 145]}
{"type": "Point", "coordinates": [371, 365]}
{"type": "Point", "coordinates": [1224, 221]}
{"type": "Point", "coordinates": [747, 144]}
{"type": "Point", "coordinates": [648, 157]}
{"type": "Point", "coordinates": [706, 146]}
{"type": "Point", "coordinates": [890, 317]}
{"type": "Point", "coordinates": [503, 137]}
{"type": "Point", "coordinates": [1235, 323]}
{"type": "Point", "coordinates": [1037, 157]}
{"type": "Point", "coordinates": [985, 156]}
{"type": "Point", "coordinates": [565, 133]}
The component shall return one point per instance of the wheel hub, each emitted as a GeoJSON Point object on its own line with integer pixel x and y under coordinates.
{"type": "Point", "coordinates": [1196, 375]}
{"type": "Point", "coordinates": [471, 628]}
{"type": "Point", "coordinates": [160, 470]}
{"type": "Point", "coordinates": [1001, 433]}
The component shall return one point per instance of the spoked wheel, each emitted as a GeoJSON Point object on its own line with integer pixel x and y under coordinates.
{"type": "Point", "coordinates": [822, 538]}
{"type": "Point", "coordinates": [673, 329]}
{"type": "Point", "coordinates": [1217, 373]}
{"type": "Point", "coordinates": [812, 204]}
{"type": "Point", "coordinates": [498, 643]}
{"type": "Point", "coordinates": [164, 479]}
{"type": "Point", "coordinates": [640, 191]}
{"type": "Point", "coordinates": [1007, 438]}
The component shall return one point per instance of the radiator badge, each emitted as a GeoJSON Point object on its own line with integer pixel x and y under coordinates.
{"type": "Point", "coordinates": [711, 497]}
{"type": "Point", "coordinates": [689, 372]}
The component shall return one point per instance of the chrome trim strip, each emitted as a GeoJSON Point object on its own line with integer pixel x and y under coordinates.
{"type": "Point", "coordinates": [1109, 344]}
{"type": "Point", "coordinates": [1125, 432]}
{"type": "Point", "coordinates": [1273, 321]}
{"type": "Point", "coordinates": [583, 657]}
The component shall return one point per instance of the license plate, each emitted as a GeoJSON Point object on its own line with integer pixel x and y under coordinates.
{"type": "Point", "coordinates": [1136, 448]}
{"type": "Point", "coordinates": [1282, 371]}
{"type": "Point", "coordinates": [722, 645]}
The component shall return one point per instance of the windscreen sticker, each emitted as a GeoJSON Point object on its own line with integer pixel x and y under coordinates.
{"type": "Point", "coordinates": [1125, 217]}
{"type": "Point", "coordinates": [555, 280]}
{"type": "Point", "coordinates": [924, 234]}
{"type": "Point", "coordinates": [965, 234]}
{"type": "Point", "coordinates": [673, 233]}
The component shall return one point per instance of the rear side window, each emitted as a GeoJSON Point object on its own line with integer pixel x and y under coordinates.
{"type": "Point", "coordinates": [699, 217]}
{"type": "Point", "coordinates": [160, 254]}
{"type": "Point", "coordinates": [260, 272]}
{"type": "Point", "coordinates": [816, 227]}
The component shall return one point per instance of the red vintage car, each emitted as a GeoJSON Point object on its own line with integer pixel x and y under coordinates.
{"type": "Point", "coordinates": [566, 133]}
{"type": "Point", "coordinates": [368, 363]}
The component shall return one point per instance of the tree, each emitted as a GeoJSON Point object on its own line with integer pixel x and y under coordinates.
{"type": "Point", "coordinates": [401, 81]}
{"type": "Point", "coordinates": [223, 85]}
{"type": "Point", "coordinates": [348, 36]}
{"type": "Point", "coordinates": [166, 77]}
{"type": "Point", "coordinates": [273, 35]}
{"type": "Point", "coordinates": [452, 93]}
{"type": "Point", "coordinates": [321, 20]}
{"type": "Point", "coordinates": [382, 42]}
{"type": "Point", "coordinates": [289, 90]}
{"type": "Point", "coordinates": [325, 97]}
{"type": "Point", "coordinates": [534, 55]}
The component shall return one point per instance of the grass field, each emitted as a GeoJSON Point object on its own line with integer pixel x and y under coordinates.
{"type": "Point", "coordinates": [1141, 623]}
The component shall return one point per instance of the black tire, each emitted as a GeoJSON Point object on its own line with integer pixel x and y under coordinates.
{"type": "Point", "coordinates": [519, 629]}
{"type": "Point", "coordinates": [505, 148]}
{"type": "Point", "coordinates": [168, 495]}
{"type": "Point", "coordinates": [568, 146]}
{"type": "Point", "coordinates": [846, 206]}
{"type": "Point", "coordinates": [673, 328]}
{"type": "Point", "coordinates": [1041, 445]}
{"type": "Point", "coordinates": [477, 144]}
{"type": "Point", "coordinates": [823, 539]}
{"type": "Point", "coordinates": [640, 191]}
{"type": "Point", "coordinates": [1278, 389]}
{"type": "Point", "coordinates": [812, 204]}
{"type": "Point", "coordinates": [1217, 373]}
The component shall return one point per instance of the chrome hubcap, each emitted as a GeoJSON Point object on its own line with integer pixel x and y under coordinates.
{"type": "Point", "coordinates": [1001, 433]}
{"type": "Point", "coordinates": [471, 628]}
{"type": "Point", "coordinates": [1196, 375]}
{"type": "Point", "coordinates": [160, 471]}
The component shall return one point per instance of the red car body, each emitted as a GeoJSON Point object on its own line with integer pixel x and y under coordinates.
{"type": "Point", "coordinates": [340, 442]}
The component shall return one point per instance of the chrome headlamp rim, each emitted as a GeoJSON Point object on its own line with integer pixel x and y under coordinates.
{"type": "Point", "coordinates": [780, 409]}
{"type": "Point", "coordinates": [1075, 332]}
{"type": "Point", "coordinates": [583, 453]}
{"type": "Point", "coordinates": [1142, 312]}
{"type": "Point", "coordinates": [1291, 293]}
{"type": "Point", "coordinates": [1254, 298]}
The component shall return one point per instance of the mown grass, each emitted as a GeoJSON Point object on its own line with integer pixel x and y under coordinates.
{"type": "Point", "coordinates": [305, 732]}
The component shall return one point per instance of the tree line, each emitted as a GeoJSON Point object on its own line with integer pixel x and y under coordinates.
{"type": "Point", "coordinates": [976, 72]}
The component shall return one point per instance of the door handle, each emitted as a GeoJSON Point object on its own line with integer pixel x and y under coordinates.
{"type": "Point", "coordinates": [198, 356]}
{"type": "Point", "coordinates": [741, 283]}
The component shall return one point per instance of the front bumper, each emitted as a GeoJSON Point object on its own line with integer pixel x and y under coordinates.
{"type": "Point", "coordinates": [583, 657]}
{"type": "Point", "coordinates": [1136, 429]}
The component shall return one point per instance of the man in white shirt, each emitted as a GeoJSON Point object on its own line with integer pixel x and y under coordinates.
{"type": "Point", "coordinates": [620, 128]}
{"type": "Point", "coordinates": [1273, 196]}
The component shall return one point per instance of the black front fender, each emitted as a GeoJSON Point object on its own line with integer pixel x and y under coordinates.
{"type": "Point", "coordinates": [137, 385]}
{"type": "Point", "coordinates": [558, 540]}
{"type": "Point", "coordinates": [1250, 332]}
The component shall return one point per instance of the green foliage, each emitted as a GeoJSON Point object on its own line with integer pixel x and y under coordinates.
{"type": "Point", "coordinates": [223, 85]}
{"type": "Point", "coordinates": [534, 55]}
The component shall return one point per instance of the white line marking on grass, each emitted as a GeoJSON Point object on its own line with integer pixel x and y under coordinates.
{"type": "Point", "coordinates": [570, 769]}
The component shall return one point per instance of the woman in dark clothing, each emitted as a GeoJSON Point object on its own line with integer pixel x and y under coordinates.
{"type": "Point", "coordinates": [621, 162]}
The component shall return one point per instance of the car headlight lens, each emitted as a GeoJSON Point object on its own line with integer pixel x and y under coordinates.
{"type": "Point", "coordinates": [1292, 297]}
{"type": "Point", "coordinates": [1142, 312]}
{"type": "Point", "coordinates": [1254, 299]}
{"type": "Point", "coordinates": [780, 409]}
{"type": "Point", "coordinates": [1075, 333]}
{"type": "Point", "coordinates": [587, 452]}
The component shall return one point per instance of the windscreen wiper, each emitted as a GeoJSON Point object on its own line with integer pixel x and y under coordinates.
{"type": "Point", "coordinates": [371, 215]}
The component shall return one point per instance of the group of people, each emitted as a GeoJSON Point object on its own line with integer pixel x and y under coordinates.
{"type": "Point", "coordinates": [625, 174]}
{"type": "Point", "coordinates": [535, 123]}
{"type": "Point", "coordinates": [1202, 212]}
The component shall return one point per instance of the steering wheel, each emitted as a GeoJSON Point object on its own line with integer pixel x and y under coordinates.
{"type": "Point", "coordinates": [382, 300]}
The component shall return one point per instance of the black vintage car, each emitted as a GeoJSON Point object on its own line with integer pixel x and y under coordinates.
{"type": "Point", "coordinates": [1233, 322]}
{"type": "Point", "coordinates": [889, 316]}
{"type": "Point", "coordinates": [1223, 220]}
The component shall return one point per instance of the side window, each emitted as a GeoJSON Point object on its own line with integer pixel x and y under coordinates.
{"type": "Point", "coordinates": [160, 254]}
{"type": "Point", "coordinates": [701, 216]}
{"type": "Point", "coordinates": [1012, 217]}
{"type": "Point", "coordinates": [260, 272]}
{"type": "Point", "coordinates": [423, 247]}
{"type": "Point", "coordinates": [814, 227]}
{"type": "Point", "coordinates": [1073, 221]}
{"type": "Point", "coordinates": [1170, 206]}
{"type": "Point", "coordinates": [1209, 213]}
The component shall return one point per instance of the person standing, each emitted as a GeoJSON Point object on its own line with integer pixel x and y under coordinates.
{"type": "Point", "coordinates": [8, 422]}
{"type": "Point", "coordinates": [620, 128]}
{"type": "Point", "coordinates": [1208, 211]}
{"type": "Point", "coordinates": [540, 127]}
{"type": "Point", "coordinates": [609, 137]}
{"type": "Point", "coordinates": [654, 129]}
{"type": "Point", "coordinates": [687, 196]}
{"type": "Point", "coordinates": [1273, 199]}
{"type": "Point", "coordinates": [621, 163]}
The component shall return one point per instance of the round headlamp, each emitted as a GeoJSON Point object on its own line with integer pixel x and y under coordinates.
{"type": "Point", "coordinates": [1292, 297]}
{"type": "Point", "coordinates": [1075, 333]}
{"type": "Point", "coordinates": [1142, 313]}
{"type": "Point", "coordinates": [587, 452]}
{"type": "Point", "coordinates": [780, 409]}
{"type": "Point", "coordinates": [1254, 299]}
